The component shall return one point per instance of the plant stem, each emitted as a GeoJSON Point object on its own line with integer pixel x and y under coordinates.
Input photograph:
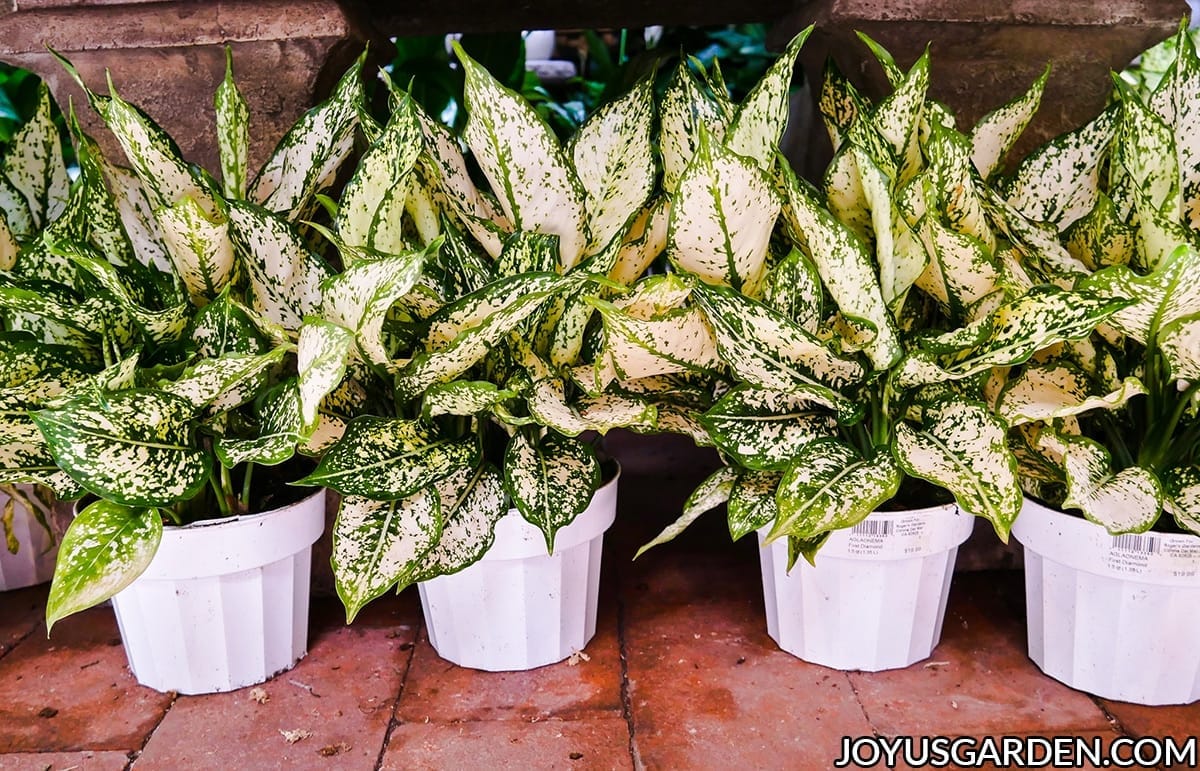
{"type": "Point", "coordinates": [173, 514]}
{"type": "Point", "coordinates": [246, 485]}
{"type": "Point", "coordinates": [1116, 441]}
{"type": "Point", "coordinates": [222, 501]}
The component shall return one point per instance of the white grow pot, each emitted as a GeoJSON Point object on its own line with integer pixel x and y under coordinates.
{"type": "Point", "coordinates": [519, 607]}
{"type": "Point", "coordinates": [876, 598]}
{"type": "Point", "coordinates": [1116, 616]}
{"type": "Point", "coordinates": [37, 548]}
{"type": "Point", "coordinates": [224, 603]}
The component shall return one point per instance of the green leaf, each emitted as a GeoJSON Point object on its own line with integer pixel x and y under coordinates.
{"type": "Point", "coordinates": [1182, 496]}
{"type": "Point", "coordinates": [829, 486]}
{"type": "Point", "coordinates": [685, 112]}
{"type": "Point", "coordinates": [223, 326]}
{"type": "Point", "coordinates": [307, 158]}
{"type": "Point", "coordinates": [279, 432]}
{"type": "Point", "coordinates": [521, 158]}
{"type": "Point", "coordinates": [758, 124]}
{"type": "Point", "coordinates": [132, 447]}
{"type": "Point", "coordinates": [752, 503]}
{"type": "Point", "coordinates": [162, 326]}
{"type": "Point", "coordinates": [321, 354]}
{"type": "Point", "coordinates": [1051, 390]}
{"type": "Point", "coordinates": [996, 133]}
{"type": "Point", "coordinates": [104, 550]}
{"type": "Point", "coordinates": [1129, 501]}
{"type": "Point", "coordinates": [472, 503]}
{"type": "Point", "coordinates": [233, 132]}
{"type": "Point", "coordinates": [614, 159]}
{"type": "Point", "coordinates": [765, 429]}
{"type": "Point", "coordinates": [388, 458]}
{"type": "Point", "coordinates": [463, 397]}
{"type": "Point", "coordinates": [962, 447]}
{"type": "Point", "coordinates": [376, 542]}
{"type": "Point", "coordinates": [550, 481]}
{"type": "Point", "coordinates": [712, 492]}
{"type": "Point", "coordinates": [722, 217]}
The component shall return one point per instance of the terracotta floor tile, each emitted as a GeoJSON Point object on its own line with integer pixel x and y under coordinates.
{"type": "Point", "coordinates": [74, 691]}
{"type": "Point", "coordinates": [439, 691]}
{"type": "Point", "coordinates": [20, 612]}
{"type": "Point", "coordinates": [572, 745]}
{"type": "Point", "coordinates": [62, 761]}
{"type": "Point", "coordinates": [979, 680]}
{"type": "Point", "coordinates": [341, 694]}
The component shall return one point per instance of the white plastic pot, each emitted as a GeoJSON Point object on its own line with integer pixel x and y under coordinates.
{"type": "Point", "coordinates": [876, 598]}
{"type": "Point", "coordinates": [37, 547]}
{"type": "Point", "coordinates": [224, 604]}
{"type": "Point", "coordinates": [1116, 616]}
{"type": "Point", "coordinates": [519, 607]}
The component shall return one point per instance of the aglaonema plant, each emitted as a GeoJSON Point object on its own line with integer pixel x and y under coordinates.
{"type": "Point", "coordinates": [182, 307]}
{"type": "Point", "coordinates": [1110, 426]}
{"type": "Point", "coordinates": [860, 358]}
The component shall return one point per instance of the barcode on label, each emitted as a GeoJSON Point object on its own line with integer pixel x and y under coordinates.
{"type": "Point", "coordinates": [1142, 544]}
{"type": "Point", "coordinates": [873, 527]}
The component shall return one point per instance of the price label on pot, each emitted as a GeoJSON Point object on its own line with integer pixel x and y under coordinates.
{"type": "Point", "coordinates": [901, 535]}
{"type": "Point", "coordinates": [1154, 555]}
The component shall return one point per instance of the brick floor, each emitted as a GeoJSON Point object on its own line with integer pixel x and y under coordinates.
{"type": "Point", "coordinates": [681, 674]}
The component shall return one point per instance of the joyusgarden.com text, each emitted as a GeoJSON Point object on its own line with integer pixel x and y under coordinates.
{"type": "Point", "coordinates": [1015, 752]}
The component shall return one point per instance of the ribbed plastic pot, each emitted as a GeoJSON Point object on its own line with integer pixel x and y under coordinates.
{"type": "Point", "coordinates": [877, 596]}
{"type": "Point", "coordinates": [518, 607]}
{"type": "Point", "coordinates": [37, 548]}
{"type": "Point", "coordinates": [1115, 616]}
{"type": "Point", "coordinates": [224, 604]}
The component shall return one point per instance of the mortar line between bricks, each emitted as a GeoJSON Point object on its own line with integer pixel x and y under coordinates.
{"type": "Point", "coordinates": [392, 721]}
{"type": "Point", "coordinates": [22, 638]}
{"type": "Point", "coordinates": [626, 700]}
{"type": "Point", "coordinates": [1113, 720]}
{"type": "Point", "coordinates": [137, 753]}
{"type": "Point", "coordinates": [858, 701]}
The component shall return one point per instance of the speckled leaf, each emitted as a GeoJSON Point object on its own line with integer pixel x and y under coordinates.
{"type": "Point", "coordinates": [765, 429]}
{"type": "Point", "coordinates": [997, 132]}
{"type": "Point", "coordinates": [527, 252]}
{"type": "Point", "coordinates": [1145, 148]}
{"type": "Point", "coordinates": [1170, 293]}
{"type": "Point", "coordinates": [53, 306]}
{"type": "Point", "coordinates": [223, 326]}
{"type": "Point", "coordinates": [683, 110]}
{"type": "Point", "coordinates": [33, 163]}
{"type": "Point", "coordinates": [14, 210]}
{"type": "Point", "coordinates": [1175, 100]}
{"type": "Point", "coordinates": [521, 158]}
{"type": "Point", "coordinates": [1179, 341]}
{"type": "Point", "coordinates": [547, 402]}
{"type": "Point", "coordinates": [131, 447]}
{"type": "Point", "coordinates": [961, 272]}
{"type": "Point", "coordinates": [897, 118]}
{"type": "Point", "coordinates": [224, 383]}
{"type": "Point", "coordinates": [376, 542]}
{"type": "Point", "coordinates": [1126, 502]}
{"type": "Point", "coordinates": [105, 548]}
{"type": "Point", "coordinates": [475, 309]}
{"type": "Point", "coordinates": [233, 132]}
{"type": "Point", "coordinates": [472, 503]}
{"type": "Point", "coordinates": [444, 161]}
{"type": "Point", "coordinates": [550, 481]}
{"type": "Point", "coordinates": [793, 288]}
{"type": "Point", "coordinates": [1058, 182]}
{"type": "Point", "coordinates": [199, 248]}
{"type": "Point", "coordinates": [25, 458]}
{"type": "Point", "coordinates": [463, 397]}
{"type": "Point", "coordinates": [137, 216]}
{"type": "Point", "coordinates": [386, 458]}
{"type": "Point", "coordinates": [759, 121]}
{"type": "Point", "coordinates": [963, 448]}
{"type": "Point", "coordinates": [161, 326]}
{"type": "Point", "coordinates": [845, 268]}
{"type": "Point", "coordinates": [766, 349]}
{"type": "Point", "coordinates": [1101, 238]}
{"type": "Point", "coordinates": [322, 352]}
{"type": "Point", "coordinates": [829, 486]}
{"type": "Point", "coordinates": [307, 158]}
{"type": "Point", "coordinates": [360, 297]}
{"type": "Point", "coordinates": [613, 156]}
{"type": "Point", "coordinates": [1055, 390]}
{"type": "Point", "coordinates": [722, 217]}
{"type": "Point", "coordinates": [645, 240]}
{"type": "Point", "coordinates": [712, 492]}
{"type": "Point", "coordinates": [752, 503]}
{"type": "Point", "coordinates": [1182, 496]}
{"type": "Point", "coordinates": [279, 432]}
{"type": "Point", "coordinates": [840, 104]}
{"type": "Point", "coordinates": [677, 340]}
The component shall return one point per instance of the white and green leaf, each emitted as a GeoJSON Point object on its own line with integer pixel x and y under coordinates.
{"type": "Point", "coordinates": [1128, 501]}
{"type": "Point", "coordinates": [711, 493]}
{"type": "Point", "coordinates": [472, 502]}
{"type": "Point", "coordinates": [551, 480]}
{"type": "Point", "coordinates": [758, 124]}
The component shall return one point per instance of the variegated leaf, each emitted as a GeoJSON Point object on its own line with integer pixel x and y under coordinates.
{"type": "Point", "coordinates": [898, 117]}
{"type": "Point", "coordinates": [963, 448]}
{"type": "Point", "coordinates": [614, 159]}
{"type": "Point", "coordinates": [645, 240]}
{"type": "Point", "coordinates": [279, 432]}
{"type": "Point", "coordinates": [472, 503]}
{"type": "Point", "coordinates": [33, 163]}
{"type": "Point", "coordinates": [223, 326]}
{"type": "Point", "coordinates": [758, 124]}
{"type": "Point", "coordinates": [106, 547]}
{"type": "Point", "coordinates": [551, 481]}
{"type": "Point", "coordinates": [528, 252]}
{"type": "Point", "coordinates": [1182, 496]}
{"type": "Point", "coordinates": [722, 217]}
{"type": "Point", "coordinates": [199, 247]}
{"type": "Point", "coordinates": [285, 276]}
{"type": "Point", "coordinates": [547, 402]}
{"type": "Point", "coordinates": [996, 133]}
{"type": "Point", "coordinates": [1179, 341]}
{"type": "Point", "coordinates": [25, 458]}
{"type": "Point", "coordinates": [360, 298]}
{"type": "Point", "coordinates": [793, 287]}
{"type": "Point", "coordinates": [137, 216]}
{"type": "Point", "coordinates": [685, 111]}
{"type": "Point", "coordinates": [765, 429]}
{"type": "Point", "coordinates": [1170, 293]}
{"type": "Point", "coordinates": [1128, 501]}
{"type": "Point", "coordinates": [14, 210]}
{"type": "Point", "coordinates": [712, 492]}
{"type": "Point", "coordinates": [161, 326]}
{"type": "Point", "coordinates": [752, 503]}
{"type": "Point", "coordinates": [840, 104]}
{"type": "Point", "coordinates": [321, 357]}
{"type": "Point", "coordinates": [829, 486]}
{"type": "Point", "coordinates": [463, 397]}
{"type": "Point", "coordinates": [1146, 151]}
{"type": "Point", "coordinates": [524, 163]}
{"type": "Point", "coordinates": [676, 340]}
{"type": "Point", "coordinates": [766, 349]}
{"type": "Point", "coordinates": [1055, 390]}
{"type": "Point", "coordinates": [132, 447]}
{"type": "Point", "coordinates": [376, 542]}
{"type": "Point", "coordinates": [475, 309]}
{"type": "Point", "coordinates": [1101, 238]}
{"type": "Point", "coordinates": [223, 383]}
{"type": "Point", "coordinates": [233, 132]}
{"type": "Point", "coordinates": [1175, 101]}
{"type": "Point", "coordinates": [388, 458]}
{"type": "Point", "coordinates": [308, 156]}
{"type": "Point", "coordinates": [8, 246]}
{"type": "Point", "coordinates": [962, 271]}
{"type": "Point", "coordinates": [845, 269]}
